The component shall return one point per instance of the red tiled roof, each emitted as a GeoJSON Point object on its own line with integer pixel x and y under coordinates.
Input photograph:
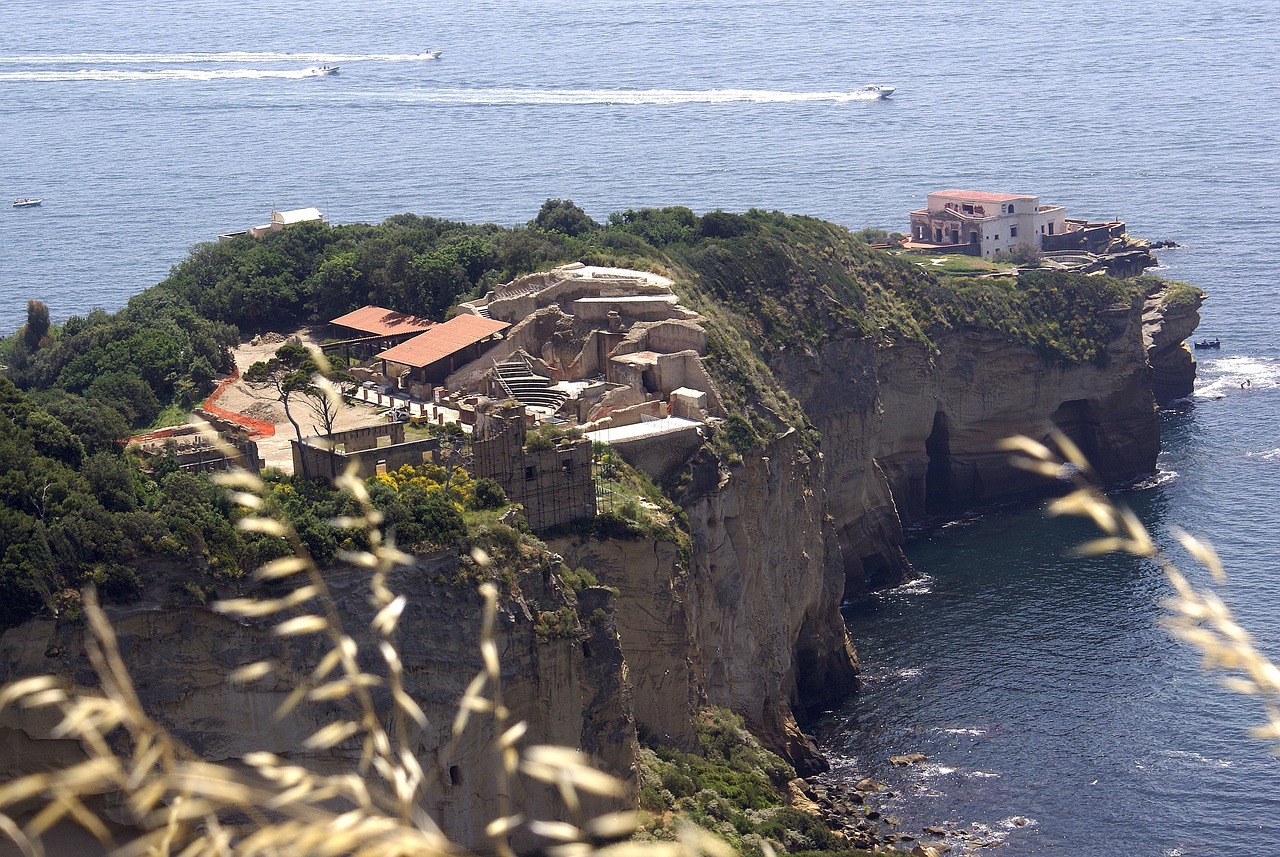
{"type": "Point", "coordinates": [442, 340]}
{"type": "Point", "coordinates": [379, 321]}
{"type": "Point", "coordinates": [982, 195]}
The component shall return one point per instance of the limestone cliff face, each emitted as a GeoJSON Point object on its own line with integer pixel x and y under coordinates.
{"type": "Point", "coordinates": [763, 596]}
{"type": "Point", "coordinates": [911, 431]}
{"type": "Point", "coordinates": [751, 620]}
{"type": "Point", "coordinates": [781, 538]}
{"type": "Point", "coordinates": [1166, 326]}
{"type": "Point", "coordinates": [571, 690]}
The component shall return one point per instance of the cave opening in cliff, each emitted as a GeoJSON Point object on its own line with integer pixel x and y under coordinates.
{"type": "Point", "coordinates": [1078, 420]}
{"type": "Point", "coordinates": [937, 478]}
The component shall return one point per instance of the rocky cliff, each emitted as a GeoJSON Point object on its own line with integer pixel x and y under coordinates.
{"type": "Point", "coordinates": [908, 431]}
{"type": "Point", "coordinates": [570, 688]}
{"type": "Point", "coordinates": [748, 618]}
{"type": "Point", "coordinates": [911, 430]}
{"type": "Point", "coordinates": [1169, 317]}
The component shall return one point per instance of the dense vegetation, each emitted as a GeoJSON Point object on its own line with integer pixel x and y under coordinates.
{"type": "Point", "coordinates": [733, 787]}
{"type": "Point", "coordinates": [76, 509]}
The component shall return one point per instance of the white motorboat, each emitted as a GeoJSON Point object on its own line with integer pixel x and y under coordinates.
{"type": "Point", "coordinates": [875, 90]}
{"type": "Point", "coordinates": [319, 70]}
{"type": "Point", "coordinates": [430, 55]}
{"type": "Point", "coordinates": [26, 202]}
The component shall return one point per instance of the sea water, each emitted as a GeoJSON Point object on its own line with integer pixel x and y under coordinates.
{"type": "Point", "coordinates": [1039, 686]}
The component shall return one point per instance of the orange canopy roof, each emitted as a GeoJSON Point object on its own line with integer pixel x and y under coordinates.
{"type": "Point", "coordinates": [380, 321]}
{"type": "Point", "coordinates": [442, 340]}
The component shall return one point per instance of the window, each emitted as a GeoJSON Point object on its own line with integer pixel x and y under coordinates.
{"type": "Point", "coordinates": [567, 465]}
{"type": "Point", "coordinates": [1013, 232]}
{"type": "Point", "coordinates": [530, 473]}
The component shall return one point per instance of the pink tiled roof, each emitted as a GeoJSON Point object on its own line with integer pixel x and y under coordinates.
{"type": "Point", "coordinates": [982, 195]}
{"type": "Point", "coordinates": [379, 321]}
{"type": "Point", "coordinates": [442, 340]}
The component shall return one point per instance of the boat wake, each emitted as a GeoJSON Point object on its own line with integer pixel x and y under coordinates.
{"type": "Point", "coordinates": [203, 57]}
{"type": "Point", "coordinates": [518, 97]}
{"type": "Point", "coordinates": [123, 76]}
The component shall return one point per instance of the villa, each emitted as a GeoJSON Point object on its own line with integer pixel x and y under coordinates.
{"type": "Point", "coordinates": [982, 224]}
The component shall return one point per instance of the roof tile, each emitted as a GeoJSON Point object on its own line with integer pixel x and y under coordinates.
{"type": "Point", "coordinates": [442, 340]}
{"type": "Point", "coordinates": [379, 321]}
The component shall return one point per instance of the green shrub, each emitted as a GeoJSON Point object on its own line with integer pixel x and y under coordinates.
{"type": "Point", "coordinates": [577, 578]}
{"type": "Point", "coordinates": [488, 494]}
{"type": "Point", "coordinates": [738, 434]}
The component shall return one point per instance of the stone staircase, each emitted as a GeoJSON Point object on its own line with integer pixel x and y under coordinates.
{"type": "Point", "coordinates": [518, 381]}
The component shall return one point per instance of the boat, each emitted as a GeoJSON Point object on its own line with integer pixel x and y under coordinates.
{"type": "Point", "coordinates": [430, 55]}
{"type": "Point", "coordinates": [26, 202]}
{"type": "Point", "coordinates": [1209, 343]}
{"type": "Point", "coordinates": [322, 70]}
{"type": "Point", "coordinates": [875, 90]}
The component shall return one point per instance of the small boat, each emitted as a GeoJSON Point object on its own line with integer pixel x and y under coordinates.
{"type": "Point", "coordinates": [430, 55]}
{"type": "Point", "coordinates": [1209, 343]}
{"type": "Point", "coordinates": [322, 70]}
{"type": "Point", "coordinates": [875, 90]}
{"type": "Point", "coordinates": [26, 201]}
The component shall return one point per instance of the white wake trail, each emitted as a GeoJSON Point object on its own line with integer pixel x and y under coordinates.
{"type": "Point", "coordinates": [209, 57]}
{"type": "Point", "coordinates": [623, 96]}
{"type": "Point", "coordinates": [114, 75]}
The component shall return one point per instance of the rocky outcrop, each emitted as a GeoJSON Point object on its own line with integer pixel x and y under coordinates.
{"type": "Point", "coordinates": [1166, 325]}
{"type": "Point", "coordinates": [570, 689]}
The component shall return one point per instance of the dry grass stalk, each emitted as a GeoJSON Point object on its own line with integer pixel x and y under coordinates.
{"type": "Point", "coordinates": [1197, 616]}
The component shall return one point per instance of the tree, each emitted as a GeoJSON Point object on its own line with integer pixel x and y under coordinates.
{"type": "Point", "coordinates": [561, 215]}
{"type": "Point", "coordinates": [37, 327]}
{"type": "Point", "coordinates": [286, 374]}
{"type": "Point", "coordinates": [324, 402]}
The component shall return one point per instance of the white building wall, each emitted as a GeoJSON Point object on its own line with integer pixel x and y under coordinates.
{"type": "Point", "coordinates": [1003, 223]}
{"type": "Point", "coordinates": [1056, 216]}
{"type": "Point", "coordinates": [1001, 233]}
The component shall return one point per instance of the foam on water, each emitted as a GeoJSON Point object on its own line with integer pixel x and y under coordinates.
{"type": "Point", "coordinates": [1160, 479]}
{"type": "Point", "coordinates": [124, 76]}
{"type": "Point", "coordinates": [970, 731]}
{"type": "Point", "coordinates": [921, 585]}
{"type": "Point", "coordinates": [519, 97]}
{"type": "Point", "coordinates": [1224, 376]}
{"type": "Point", "coordinates": [207, 57]}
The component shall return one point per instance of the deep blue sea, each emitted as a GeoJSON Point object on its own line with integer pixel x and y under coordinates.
{"type": "Point", "coordinates": [1039, 686]}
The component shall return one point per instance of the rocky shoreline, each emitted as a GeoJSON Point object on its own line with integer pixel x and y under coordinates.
{"type": "Point", "coordinates": [856, 813]}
